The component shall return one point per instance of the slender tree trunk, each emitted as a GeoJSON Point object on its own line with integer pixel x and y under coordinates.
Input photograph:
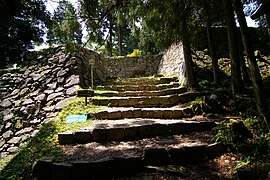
{"type": "Point", "coordinates": [109, 43]}
{"type": "Point", "coordinates": [211, 46]}
{"type": "Point", "coordinates": [191, 80]}
{"type": "Point", "coordinates": [261, 102]}
{"type": "Point", "coordinates": [236, 80]}
{"type": "Point", "coordinates": [244, 70]}
{"type": "Point", "coordinates": [120, 40]}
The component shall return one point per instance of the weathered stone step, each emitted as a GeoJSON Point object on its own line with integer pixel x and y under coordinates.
{"type": "Point", "coordinates": [146, 87]}
{"type": "Point", "coordinates": [143, 101]}
{"type": "Point", "coordinates": [126, 158]}
{"type": "Point", "coordinates": [132, 129]}
{"type": "Point", "coordinates": [163, 92]}
{"type": "Point", "coordinates": [142, 81]}
{"type": "Point", "coordinates": [130, 112]}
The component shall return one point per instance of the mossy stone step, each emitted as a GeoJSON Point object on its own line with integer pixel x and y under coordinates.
{"type": "Point", "coordinates": [142, 81]}
{"type": "Point", "coordinates": [159, 113]}
{"type": "Point", "coordinates": [163, 92]}
{"type": "Point", "coordinates": [51, 168]}
{"type": "Point", "coordinates": [132, 129]}
{"type": "Point", "coordinates": [146, 87]}
{"type": "Point", "coordinates": [142, 101]}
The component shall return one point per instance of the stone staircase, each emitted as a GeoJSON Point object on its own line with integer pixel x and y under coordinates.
{"type": "Point", "coordinates": [148, 122]}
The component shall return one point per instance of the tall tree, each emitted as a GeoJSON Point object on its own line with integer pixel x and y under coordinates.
{"type": "Point", "coordinates": [236, 80]}
{"type": "Point", "coordinates": [253, 67]}
{"type": "Point", "coordinates": [22, 25]}
{"type": "Point", "coordinates": [211, 45]}
{"type": "Point", "coordinates": [66, 27]}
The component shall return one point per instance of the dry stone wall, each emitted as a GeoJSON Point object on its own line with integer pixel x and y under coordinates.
{"type": "Point", "coordinates": [133, 66]}
{"type": "Point", "coordinates": [30, 96]}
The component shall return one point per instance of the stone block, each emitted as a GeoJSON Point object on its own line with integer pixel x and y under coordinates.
{"type": "Point", "coordinates": [114, 115]}
{"type": "Point", "coordinates": [154, 101]}
{"type": "Point", "coordinates": [155, 156]}
{"type": "Point", "coordinates": [206, 125]}
{"type": "Point", "coordinates": [158, 114]}
{"type": "Point", "coordinates": [101, 115]}
{"type": "Point", "coordinates": [148, 113]}
{"type": "Point", "coordinates": [102, 102]}
{"type": "Point", "coordinates": [132, 101]}
{"type": "Point", "coordinates": [115, 134]}
{"type": "Point", "coordinates": [174, 100]}
{"type": "Point", "coordinates": [114, 102]}
{"type": "Point", "coordinates": [61, 171]}
{"type": "Point", "coordinates": [160, 129]}
{"type": "Point", "coordinates": [66, 137]}
{"type": "Point", "coordinates": [42, 169]}
{"type": "Point", "coordinates": [167, 114]}
{"type": "Point", "coordinates": [177, 114]}
{"type": "Point", "coordinates": [176, 128]}
{"type": "Point", "coordinates": [195, 154]}
{"type": "Point", "coordinates": [81, 170]}
{"type": "Point", "coordinates": [176, 156]}
{"type": "Point", "coordinates": [127, 114]}
{"type": "Point", "coordinates": [123, 102]}
{"type": "Point", "coordinates": [144, 131]}
{"type": "Point", "coordinates": [130, 133]}
{"type": "Point", "coordinates": [137, 113]}
{"type": "Point", "coordinates": [83, 136]}
{"type": "Point", "coordinates": [99, 134]}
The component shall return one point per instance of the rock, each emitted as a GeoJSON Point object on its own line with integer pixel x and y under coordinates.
{"type": "Point", "coordinates": [24, 92]}
{"type": "Point", "coordinates": [54, 95]}
{"type": "Point", "coordinates": [72, 80]}
{"type": "Point", "coordinates": [48, 91]}
{"type": "Point", "coordinates": [25, 137]}
{"type": "Point", "coordinates": [15, 92]}
{"type": "Point", "coordinates": [2, 142]}
{"type": "Point", "coordinates": [18, 124]}
{"type": "Point", "coordinates": [61, 73]}
{"type": "Point", "coordinates": [40, 97]}
{"type": "Point", "coordinates": [72, 90]}
{"type": "Point", "coordinates": [14, 140]}
{"type": "Point", "coordinates": [13, 149]}
{"type": "Point", "coordinates": [35, 122]}
{"type": "Point", "coordinates": [8, 117]}
{"type": "Point", "coordinates": [240, 132]}
{"type": "Point", "coordinates": [6, 103]}
{"type": "Point", "coordinates": [27, 102]}
{"type": "Point", "coordinates": [59, 89]}
{"type": "Point", "coordinates": [60, 79]}
{"type": "Point", "coordinates": [8, 125]}
{"type": "Point", "coordinates": [150, 156]}
{"type": "Point", "coordinates": [24, 131]}
{"type": "Point", "coordinates": [35, 76]}
{"type": "Point", "coordinates": [63, 103]}
{"type": "Point", "coordinates": [34, 133]}
{"type": "Point", "coordinates": [8, 134]}
{"type": "Point", "coordinates": [52, 85]}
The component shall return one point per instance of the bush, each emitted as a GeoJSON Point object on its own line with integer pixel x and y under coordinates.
{"type": "Point", "coordinates": [136, 52]}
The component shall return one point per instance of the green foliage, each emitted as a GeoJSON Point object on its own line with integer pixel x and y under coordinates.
{"type": "Point", "coordinates": [70, 47]}
{"type": "Point", "coordinates": [135, 53]}
{"type": "Point", "coordinates": [65, 27]}
{"type": "Point", "coordinates": [22, 25]}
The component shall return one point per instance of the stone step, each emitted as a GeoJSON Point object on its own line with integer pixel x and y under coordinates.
{"type": "Point", "coordinates": [146, 87]}
{"type": "Point", "coordinates": [143, 81]}
{"type": "Point", "coordinates": [130, 112]}
{"type": "Point", "coordinates": [163, 92]}
{"type": "Point", "coordinates": [132, 129]}
{"type": "Point", "coordinates": [96, 161]}
{"type": "Point", "coordinates": [142, 101]}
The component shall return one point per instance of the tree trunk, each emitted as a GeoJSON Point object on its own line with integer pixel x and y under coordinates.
{"type": "Point", "coordinates": [236, 80]}
{"type": "Point", "coordinates": [211, 46]}
{"type": "Point", "coordinates": [244, 70]}
{"type": "Point", "coordinates": [261, 102]}
{"type": "Point", "coordinates": [109, 43]}
{"type": "Point", "coordinates": [120, 40]}
{"type": "Point", "coordinates": [191, 80]}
